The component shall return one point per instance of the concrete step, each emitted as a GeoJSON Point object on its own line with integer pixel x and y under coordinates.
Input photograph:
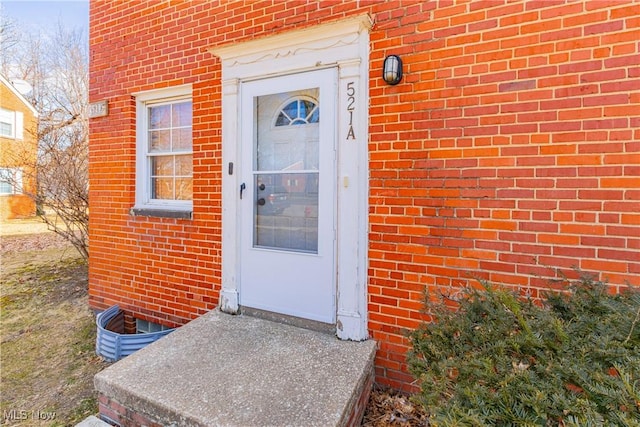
{"type": "Point", "coordinates": [92, 421]}
{"type": "Point", "coordinates": [223, 370]}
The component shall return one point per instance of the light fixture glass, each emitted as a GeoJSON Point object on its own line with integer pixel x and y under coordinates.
{"type": "Point", "coordinates": [392, 70]}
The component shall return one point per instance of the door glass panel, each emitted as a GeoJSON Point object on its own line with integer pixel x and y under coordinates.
{"type": "Point", "coordinates": [286, 214]}
{"type": "Point", "coordinates": [286, 171]}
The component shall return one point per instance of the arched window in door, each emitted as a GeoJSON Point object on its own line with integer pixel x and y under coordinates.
{"type": "Point", "coordinates": [301, 111]}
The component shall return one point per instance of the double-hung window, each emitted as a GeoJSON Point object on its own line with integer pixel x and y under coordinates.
{"type": "Point", "coordinates": [164, 176]}
{"type": "Point", "coordinates": [11, 123]}
{"type": "Point", "coordinates": [10, 181]}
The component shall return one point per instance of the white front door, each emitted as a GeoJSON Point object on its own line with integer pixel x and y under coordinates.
{"type": "Point", "coordinates": [287, 195]}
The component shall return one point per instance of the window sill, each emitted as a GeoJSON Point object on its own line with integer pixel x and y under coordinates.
{"type": "Point", "coordinates": [162, 213]}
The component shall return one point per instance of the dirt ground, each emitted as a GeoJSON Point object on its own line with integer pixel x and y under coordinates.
{"type": "Point", "coordinates": [48, 332]}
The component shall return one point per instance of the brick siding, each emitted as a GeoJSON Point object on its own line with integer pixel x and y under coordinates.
{"type": "Point", "coordinates": [509, 152]}
{"type": "Point", "coordinates": [119, 415]}
{"type": "Point", "coordinates": [19, 153]}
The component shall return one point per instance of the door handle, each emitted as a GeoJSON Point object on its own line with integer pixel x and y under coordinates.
{"type": "Point", "coordinates": [243, 186]}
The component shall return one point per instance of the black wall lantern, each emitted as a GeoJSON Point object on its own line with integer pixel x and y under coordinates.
{"type": "Point", "coordinates": [392, 69]}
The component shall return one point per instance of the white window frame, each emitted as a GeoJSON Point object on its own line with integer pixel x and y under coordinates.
{"type": "Point", "coordinates": [16, 120]}
{"type": "Point", "coordinates": [16, 186]}
{"type": "Point", "coordinates": [143, 172]}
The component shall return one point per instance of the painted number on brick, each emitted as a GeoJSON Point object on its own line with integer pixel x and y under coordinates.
{"type": "Point", "coordinates": [98, 109]}
{"type": "Point", "coordinates": [351, 102]}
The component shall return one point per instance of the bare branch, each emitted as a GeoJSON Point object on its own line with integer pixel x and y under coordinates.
{"type": "Point", "coordinates": [56, 65]}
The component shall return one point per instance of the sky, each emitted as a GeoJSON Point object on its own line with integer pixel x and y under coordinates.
{"type": "Point", "coordinates": [41, 15]}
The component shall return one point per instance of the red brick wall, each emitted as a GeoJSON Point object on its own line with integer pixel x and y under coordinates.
{"type": "Point", "coordinates": [115, 413]}
{"type": "Point", "coordinates": [508, 152]}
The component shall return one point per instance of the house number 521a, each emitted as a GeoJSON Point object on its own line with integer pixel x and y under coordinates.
{"type": "Point", "coordinates": [351, 103]}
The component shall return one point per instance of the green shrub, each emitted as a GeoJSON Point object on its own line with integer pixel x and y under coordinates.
{"type": "Point", "coordinates": [572, 359]}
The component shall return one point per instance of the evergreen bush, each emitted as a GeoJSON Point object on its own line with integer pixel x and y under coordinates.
{"type": "Point", "coordinates": [570, 359]}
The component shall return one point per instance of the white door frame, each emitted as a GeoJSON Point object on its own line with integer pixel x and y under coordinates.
{"type": "Point", "coordinates": [343, 45]}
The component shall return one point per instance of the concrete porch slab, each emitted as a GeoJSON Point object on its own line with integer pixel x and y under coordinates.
{"type": "Point", "coordinates": [223, 370]}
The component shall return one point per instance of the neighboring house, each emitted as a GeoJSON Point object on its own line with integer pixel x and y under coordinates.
{"type": "Point", "coordinates": [253, 158]}
{"type": "Point", "coordinates": [18, 151]}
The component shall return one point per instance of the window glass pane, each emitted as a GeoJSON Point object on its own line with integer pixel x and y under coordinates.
{"type": "Point", "coordinates": [5, 188]}
{"type": "Point", "coordinates": [305, 108]}
{"type": "Point", "coordinates": [160, 141]}
{"type": "Point", "coordinates": [162, 188]}
{"type": "Point", "coordinates": [184, 165]}
{"type": "Point", "coordinates": [154, 327]}
{"type": "Point", "coordinates": [286, 164]}
{"type": "Point", "coordinates": [298, 112]}
{"type": "Point", "coordinates": [181, 114]}
{"type": "Point", "coordinates": [5, 174]}
{"type": "Point", "coordinates": [162, 166]}
{"type": "Point", "coordinates": [184, 188]}
{"type": "Point", "coordinates": [290, 147]}
{"type": "Point", "coordinates": [288, 217]}
{"type": "Point", "coordinates": [182, 139]}
{"type": "Point", "coordinates": [7, 123]}
{"type": "Point", "coordinates": [142, 326]}
{"type": "Point", "coordinates": [10, 181]}
{"type": "Point", "coordinates": [315, 116]}
{"type": "Point", "coordinates": [311, 154]}
{"type": "Point", "coordinates": [283, 120]}
{"type": "Point", "coordinates": [160, 116]}
{"type": "Point", "coordinates": [291, 110]}
{"type": "Point", "coordinates": [6, 129]}
{"type": "Point", "coordinates": [172, 177]}
{"type": "Point", "coordinates": [145, 327]}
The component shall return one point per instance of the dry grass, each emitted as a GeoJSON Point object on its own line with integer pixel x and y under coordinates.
{"type": "Point", "coordinates": [23, 226]}
{"type": "Point", "coordinates": [47, 333]}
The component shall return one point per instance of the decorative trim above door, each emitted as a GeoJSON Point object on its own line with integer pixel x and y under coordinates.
{"type": "Point", "coordinates": [343, 45]}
